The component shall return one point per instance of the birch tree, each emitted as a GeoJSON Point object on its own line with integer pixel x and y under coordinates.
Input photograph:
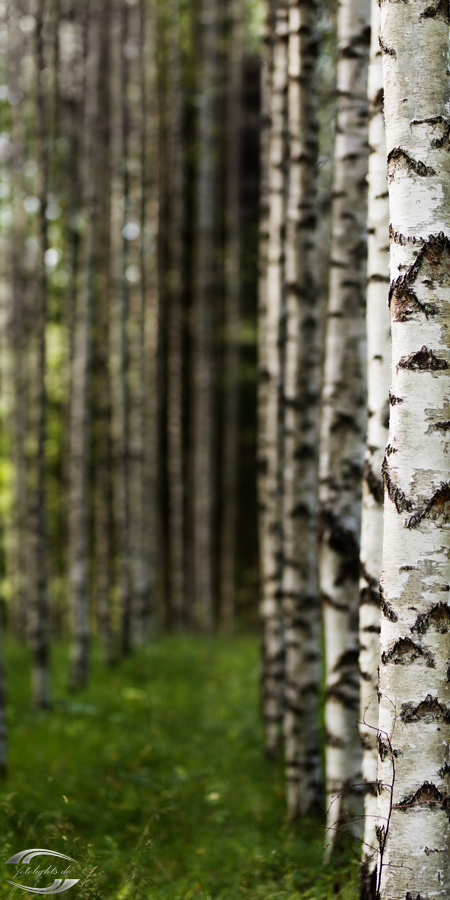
{"type": "Point", "coordinates": [343, 424]}
{"type": "Point", "coordinates": [270, 548]}
{"type": "Point", "coordinates": [378, 380]}
{"type": "Point", "coordinates": [203, 483]}
{"type": "Point", "coordinates": [227, 564]}
{"type": "Point", "coordinates": [82, 376]}
{"type": "Point", "coordinates": [300, 589]}
{"type": "Point", "coordinates": [413, 744]}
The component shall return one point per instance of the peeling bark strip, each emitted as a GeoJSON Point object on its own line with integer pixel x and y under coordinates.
{"type": "Point", "coordinates": [270, 548]}
{"type": "Point", "coordinates": [344, 423]}
{"type": "Point", "coordinates": [300, 424]}
{"type": "Point", "coordinates": [413, 827]}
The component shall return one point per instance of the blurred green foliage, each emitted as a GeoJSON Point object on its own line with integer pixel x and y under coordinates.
{"type": "Point", "coordinates": [153, 779]}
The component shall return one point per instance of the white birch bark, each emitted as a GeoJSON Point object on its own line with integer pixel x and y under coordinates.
{"type": "Point", "coordinates": [300, 583]}
{"type": "Point", "coordinates": [343, 426]}
{"type": "Point", "coordinates": [378, 380]}
{"type": "Point", "coordinates": [414, 736]}
{"type": "Point", "coordinates": [270, 549]}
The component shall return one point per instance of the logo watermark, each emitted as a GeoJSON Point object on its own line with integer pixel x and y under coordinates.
{"type": "Point", "coordinates": [22, 860]}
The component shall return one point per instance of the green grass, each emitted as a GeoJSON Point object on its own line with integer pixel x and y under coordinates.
{"type": "Point", "coordinates": [155, 775]}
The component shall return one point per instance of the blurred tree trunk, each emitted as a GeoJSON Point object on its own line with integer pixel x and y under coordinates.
{"type": "Point", "coordinates": [17, 550]}
{"type": "Point", "coordinates": [80, 435]}
{"type": "Point", "coordinates": [378, 381]}
{"type": "Point", "coordinates": [135, 275]}
{"type": "Point", "coordinates": [38, 621]}
{"type": "Point", "coordinates": [102, 422]}
{"type": "Point", "coordinates": [175, 368]}
{"type": "Point", "coordinates": [270, 445]}
{"type": "Point", "coordinates": [203, 298]}
{"type": "Point", "coordinates": [227, 561]}
{"type": "Point", "coordinates": [300, 582]}
{"type": "Point", "coordinates": [119, 260]}
{"type": "Point", "coordinates": [343, 427]}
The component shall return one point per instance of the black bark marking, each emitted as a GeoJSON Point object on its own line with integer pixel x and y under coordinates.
{"type": "Point", "coordinates": [377, 104]}
{"type": "Point", "coordinates": [333, 603]}
{"type": "Point", "coordinates": [433, 12]}
{"type": "Point", "coordinates": [342, 421]}
{"type": "Point", "coordinates": [423, 360]}
{"type": "Point", "coordinates": [400, 500]}
{"type": "Point", "coordinates": [404, 652]}
{"type": "Point", "coordinates": [436, 506]}
{"type": "Point", "coordinates": [374, 483]}
{"type": "Point", "coordinates": [427, 795]}
{"type": "Point", "coordinates": [343, 541]}
{"type": "Point", "coordinates": [439, 426]}
{"type": "Point", "coordinates": [397, 157]}
{"type": "Point", "coordinates": [379, 279]}
{"type": "Point", "coordinates": [393, 400]}
{"type": "Point", "coordinates": [428, 711]}
{"type": "Point", "coordinates": [369, 596]}
{"type": "Point", "coordinates": [333, 740]}
{"type": "Point", "coordinates": [385, 49]}
{"type": "Point", "coordinates": [387, 610]}
{"type": "Point", "coordinates": [347, 659]}
{"type": "Point", "coordinates": [438, 618]}
{"type": "Point", "coordinates": [402, 239]}
{"type": "Point", "coordinates": [404, 302]}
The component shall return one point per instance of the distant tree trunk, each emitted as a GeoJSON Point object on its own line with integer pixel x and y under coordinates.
{"type": "Point", "coordinates": [343, 427]}
{"type": "Point", "coordinates": [82, 374]}
{"type": "Point", "coordinates": [413, 827]}
{"type": "Point", "coordinates": [150, 314]}
{"type": "Point", "coordinates": [175, 447]}
{"type": "Point", "coordinates": [17, 562]}
{"type": "Point", "coordinates": [378, 374]}
{"type": "Point", "coordinates": [271, 459]}
{"type": "Point", "coordinates": [38, 621]}
{"type": "Point", "coordinates": [103, 486]}
{"type": "Point", "coordinates": [203, 496]}
{"type": "Point", "coordinates": [300, 582]}
{"type": "Point", "coordinates": [227, 563]}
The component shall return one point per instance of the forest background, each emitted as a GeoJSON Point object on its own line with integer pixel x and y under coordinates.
{"type": "Point", "coordinates": [132, 192]}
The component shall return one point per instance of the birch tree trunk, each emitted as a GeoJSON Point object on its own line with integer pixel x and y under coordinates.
{"type": "Point", "coordinates": [82, 376]}
{"type": "Point", "coordinates": [203, 332]}
{"type": "Point", "coordinates": [271, 540]}
{"type": "Point", "coordinates": [103, 486]}
{"type": "Point", "coordinates": [227, 552]}
{"type": "Point", "coordinates": [343, 427]}
{"type": "Point", "coordinates": [300, 583]}
{"type": "Point", "coordinates": [38, 622]}
{"type": "Point", "coordinates": [413, 828]}
{"type": "Point", "coordinates": [175, 448]}
{"type": "Point", "coordinates": [378, 380]}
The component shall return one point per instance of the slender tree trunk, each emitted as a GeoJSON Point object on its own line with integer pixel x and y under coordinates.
{"type": "Point", "coordinates": [378, 375]}
{"type": "Point", "coordinates": [103, 487]}
{"type": "Point", "coordinates": [343, 428]}
{"type": "Point", "coordinates": [413, 827]}
{"type": "Point", "coordinates": [227, 563]}
{"type": "Point", "coordinates": [300, 582]}
{"type": "Point", "coordinates": [203, 496]}
{"type": "Point", "coordinates": [150, 312]}
{"type": "Point", "coordinates": [271, 459]}
{"type": "Point", "coordinates": [38, 622]}
{"type": "Point", "coordinates": [82, 375]}
{"type": "Point", "coordinates": [175, 448]}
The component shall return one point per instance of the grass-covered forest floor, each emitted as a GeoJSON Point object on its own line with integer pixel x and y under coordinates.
{"type": "Point", "coordinates": [153, 778]}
